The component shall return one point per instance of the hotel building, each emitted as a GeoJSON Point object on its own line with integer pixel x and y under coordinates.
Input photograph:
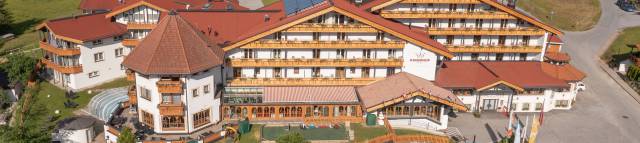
{"type": "Point", "coordinates": [197, 63]}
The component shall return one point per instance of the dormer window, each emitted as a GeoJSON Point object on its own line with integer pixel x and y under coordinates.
{"type": "Point", "coordinates": [96, 42]}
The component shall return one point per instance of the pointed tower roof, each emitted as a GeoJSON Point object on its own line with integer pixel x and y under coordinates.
{"type": "Point", "coordinates": [174, 47]}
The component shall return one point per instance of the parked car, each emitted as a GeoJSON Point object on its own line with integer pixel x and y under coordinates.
{"type": "Point", "coordinates": [626, 5]}
{"type": "Point", "coordinates": [580, 86]}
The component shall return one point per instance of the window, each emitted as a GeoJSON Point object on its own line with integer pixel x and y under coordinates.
{"type": "Point", "coordinates": [316, 36]}
{"type": "Point", "coordinates": [147, 118]}
{"type": "Point", "coordinates": [538, 106]}
{"type": "Point", "coordinates": [94, 74]}
{"type": "Point", "coordinates": [472, 7]}
{"type": "Point", "coordinates": [201, 118]}
{"type": "Point", "coordinates": [391, 71]}
{"type": "Point", "coordinates": [432, 23]}
{"type": "Point", "coordinates": [172, 122]}
{"type": "Point", "coordinates": [96, 42]}
{"type": "Point", "coordinates": [562, 103]}
{"type": "Point", "coordinates": [315, 72]}
{"type": "Point", "coordinates": [476, 39]}
{"type": "Point", "coordinates": [276, 53]}
{"type": "Point", "coordinates": [514, 106]}
{"type": "Point", "coordinates": [256, 72]}
{"type": "Point", "coordinates": [450, 23]}
{"type": "Point", "coordinates": [97, 57]}
{"type": "Point", "coordinates": [342, 36]}
{"type": "Point", "coordinates": [453, 7]}
{"type": "Point", "coordinates": [341, 53]}
{"type": "Point", "coordinates": [392, 53]}
{"type": "Point", "coordinates": [340, 72]}
{"type": "Point", "coordinates": [449, 40]}
{"type": "Point", "coordinates": [525, 106]}
{"type": "Point", "coordinates": [365, 72]}
{"type": "Point", "coordinates": [353, 70]}
{"type": "Point", "coordinates": [277, 36]}
{"type": "Point", "coordinates": [248, 54]}
{"type": "Point", "coordinates": [499, 56]}
{"type": "Point", "coordinates": [277, 72]}
{"type": "Point", "coordinates": [366, 53]}
{"type": "Point", "coordinates": [237, 72]}
{"type": "Point", "coordinates": [525, 40]}
{"type": "Point", "coordinates": [206, 89]}
{"type": "Point", "coordinates": [474, 56]}
{"type": "Point", "coordinates": [523, 56]}
{"type": "Point", "coordinates": [479, 23]}
{"type": "Point", "coordinates": [117, 38]}
{"type": "Point", "coordinates": [380, 36]}
{"type": "Point", "coordinates": [195, 92]}
{"type": "Point", "coordinates": [145, 93]}
{"type": "Point", "coordinates": [119, 52]}
{"type": "Point", "coordinates": [296, 70]}
{"type": "Point", "coordinates": [316, 53]}
{"type": "Point", "coordinates": [503, 23]}
{"type": "Point", "coordinates": [502, 40]}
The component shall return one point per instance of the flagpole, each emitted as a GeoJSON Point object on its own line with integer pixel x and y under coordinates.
{"type": "Point", "coordinates": [524, 131]}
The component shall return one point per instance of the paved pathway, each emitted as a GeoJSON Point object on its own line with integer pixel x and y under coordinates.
{"type": "Point", "coordinates": [603, 113]}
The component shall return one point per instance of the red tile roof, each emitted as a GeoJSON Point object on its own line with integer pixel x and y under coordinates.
{"type": "Point", "coordinates": [310, 94]}
{"type": "Point", "coordinates": [564, 72]}
{"type": "Point", "coordinates": [555, 39]}
{"type": "Point", "coordinates": [174, 47]}
{"type": "Point", "coordinates": [399, 85]}
{"type": "Point", "coordinates": [557, 56]}
{"type": "Point", "coordinates": [475, 75]}
{"type": "Point", "coordinates": [83, 27]}
{"type": "Point", "coordinates": [177, 4]}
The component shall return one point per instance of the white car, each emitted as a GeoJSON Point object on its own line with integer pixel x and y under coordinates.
{"type": "Point", "coordinates": [580, 86]}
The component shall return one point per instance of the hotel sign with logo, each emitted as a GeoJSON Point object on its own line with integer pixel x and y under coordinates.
{"type": "Point", "coordinates": [420, 57]}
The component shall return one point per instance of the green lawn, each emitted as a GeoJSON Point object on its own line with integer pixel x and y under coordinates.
{"type": "Point", "coordinates": [409, 132]}
{"type": "Point", "coordinates": [253, 135]}
{"type": "Point", "coordinates": [272, 133]}
{"type": "Point", "coordinates": [363, 132]}
{"type": "Point", "coordinates": [268, 2]}
{"type": "Point", "coordinates": [571, 15]}
{"type": "Point", "coordinates": [622, 45]}
{"type": "Point", "coordinates": [29, 13]}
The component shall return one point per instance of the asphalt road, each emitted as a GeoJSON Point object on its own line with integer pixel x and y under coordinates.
{"type": "Point", "coordinates": [604, 113]}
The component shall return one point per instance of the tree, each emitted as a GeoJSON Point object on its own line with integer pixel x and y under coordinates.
{"type": "Point", "coordinates": [31, 126]}
{"type": "Point", "coordinates": [5, 18]}
{"type": "Point", "coordinates": [126, 136]}
{"type": "Point", "coordinates": [19, 67]}
{"type": "Point", "coordinates": [291, 138]}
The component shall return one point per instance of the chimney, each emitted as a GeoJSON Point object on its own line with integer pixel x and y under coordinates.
{"type": "Point", "coordinates": [187, 6]}
{"type": "Point", "coordinates": [267, 17]}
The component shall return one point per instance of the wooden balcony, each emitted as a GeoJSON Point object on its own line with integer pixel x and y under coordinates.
{"type": "Point", "coordinates": [316, 62]}
{"type": "Point", "coordinates": [269, 44]}
{"type": "Point", "coordinates": [443, 1]}
{"type": "Point", "coordinates": [495, 49]}
{"type": "Point", "coordinates": [485, 31]}
{"type": "Point", "coordinates": [169, 86]}
{"type": "Point", "coordinates": [171, 109]}
{"type": "Point", "coordinates": [132, 25]}
{"type": "Point", "coordinates": [313, 27]}
{"type": "Point", "coordinates": [131, 75]}
{"type": "Point", "coordinates": [132, 95]}
{"type": "Point", "coordinates": [130, 42]}
{"type": "Point", "coordinates": [62, 69]}
{"type": "Point", "coordinates": [59, 51]}
{"type": "Point", "coordinates": [446, 15]}
{"type": "Point", "coordinates": [301, 81]}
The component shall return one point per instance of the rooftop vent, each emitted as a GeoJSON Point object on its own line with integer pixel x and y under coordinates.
{"type": "Point", "coordinates": [267, 17]}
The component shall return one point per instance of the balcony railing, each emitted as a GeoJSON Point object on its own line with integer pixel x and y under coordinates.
{"type": "Point", "coordinates": [132, 95]}
{"type": "Point", "coordinates": [301, 81]}
{"type": "Point", "coordinates": [62, 69]}
{"type": "Point", "coordinates": [446, 15]}
{"type": "Point", "coordinates": [495, 49]}
{"type": "Point", "coordinates": [313, 27]}
{"type": "Point", "coordinates": [59, 51]}
{"type": "Point", "coordinates": [485, 31]}
{"type": "Point", "coordinates": [316, 62]}
{"type": "Point", "coordinates": [268, 44]}
{"type": "Point", "coordinates": [130, 42]}
{"type": "Point", "coordinates": [169, 86]}
{"type": "Point", "coordinates": [133, 25]}
{"type": "Point", "coordinates": [171, 109]}
{"type": "Point", "coordinates": [443, 1]}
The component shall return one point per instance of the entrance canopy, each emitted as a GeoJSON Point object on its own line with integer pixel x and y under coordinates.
{"type": "Point", "coordinates": [106, 102]}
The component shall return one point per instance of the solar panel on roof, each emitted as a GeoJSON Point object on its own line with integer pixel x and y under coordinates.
{"type": "Point", "coordinates": [293, 6]}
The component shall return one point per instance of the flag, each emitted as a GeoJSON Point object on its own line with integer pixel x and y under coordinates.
{"type": "Point", "coordinates": [541, 114]}
{"type": "Point", "coordinates": [534, 130]}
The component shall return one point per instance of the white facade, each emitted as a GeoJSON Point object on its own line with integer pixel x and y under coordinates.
{"type": "Point", "coordinates": [549, 99]}
{"type": "Point", "coordinates": [192, 84]}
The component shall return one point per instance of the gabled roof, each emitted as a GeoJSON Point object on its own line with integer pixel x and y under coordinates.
{"type": "Point", "coordinates": [174, 47]}
{"type": "Point", "coordinates": [379, 4]}
{"type": "Point", "coordinates": [82, 28]}
{"type": "Point", "coordinates": [402, 86]}
{"type": "Point", "coordinates": [310, 94]}
{"type": "Point", "coordinates": [343, 7]}
{"type": "Point", "coordinates": [564, 72]}
{"type": "Point", "coordinates": [482, 75]}
{"type": "Point", "coordinates": [168, 5]}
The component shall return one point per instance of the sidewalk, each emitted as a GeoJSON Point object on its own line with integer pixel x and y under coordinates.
{"type": "Point", "coordinates": [619, 81]}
